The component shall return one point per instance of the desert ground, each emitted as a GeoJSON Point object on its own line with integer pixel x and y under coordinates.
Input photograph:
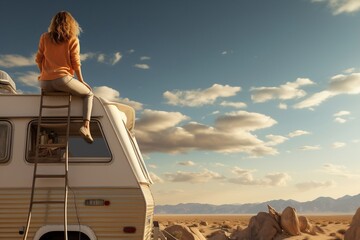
{"type": "Point", "coordinates": [333, 226]}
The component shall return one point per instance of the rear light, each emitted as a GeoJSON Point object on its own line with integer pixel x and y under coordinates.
{"type": "Point", "coordinates": [97, 202]}
{"type": "Point", "coordinates": [129, 229]}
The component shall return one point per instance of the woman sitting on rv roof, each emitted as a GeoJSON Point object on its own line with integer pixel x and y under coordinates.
{"type": "Point", "coordinates": [58, 58]}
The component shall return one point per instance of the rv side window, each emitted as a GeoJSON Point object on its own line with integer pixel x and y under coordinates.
{"type": "Point", "coordinates": [5, 135]}
{"type": "Point", "coordinates": [79, 150]}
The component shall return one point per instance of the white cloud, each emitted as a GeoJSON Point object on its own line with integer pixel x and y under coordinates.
{"type": "Point", "coordinates": [29, 78]}
{"type": "Point", "coordinates": [111, 59]}
{"type": "Point", "coordinates": [275, 139]}
{"type": "Point", "coordinates": [145, 58]}
{"type": "Point", "coordinates": [199, 97]}
{"type": "Point", "coordinates": [337, 170]}
{"type": "Point", "coordinates": [306, 186]}
{"type": "Point", "coordinates": [314, 100]}
{"type": "Point", "coordinates": [342, 113]}
{"type": "Point", "coordinates": [242, 120]}
{"type": "Point", "coordinates": [233, 104]}
{"type": "Point", "coordinates": [310, 147]}
{"type": "Point", "coordinates": [340, 120]}
{"type": "Point", "coordinates": [339, 84]}
{"type": "Point", "coordinates": [338, 145]}
{"type": "Point", "coordinates": [342, 6]}
{"type": "Point", "coordinates": [142, 66]}
{"type": "Point", "coordinates": [290, 90]}
{"type": "Point", "coordinates": [117, 57]}
{"type": "Point", "coordinates": [186, 163]}
{"type": "Point", "coordinates": [160, 131]}
{"type": "Point", "coordinates": [151, 166]}
{"type": "Point", "coordinates": [101, 58]}
{"type": "Point", "coordinates": [297, 133]}
{"type": "Point", "coordinates": [193, 177]}
{"type": "Point", "coordinates": [154, 121]}
{"type": "Point", "coordinates": [278, 179]}
{"type": "Point", "coordinates": [155, 178]}
{"type": "Point", "coordinates": [111, 94]}
{"type": "Point", "coordinates": [15, 60]}
{"type": "Point", "coordinates": [87, 56]}
{"type": "Point", "coordinates": [349, 70]}
{"type": "Point", "coordinates": [282, 106]}
{"type": "Point", "coordinates": [245, 177]}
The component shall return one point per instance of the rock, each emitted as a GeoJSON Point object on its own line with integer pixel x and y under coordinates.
{"type": "Point", "coordinates": [218, 235]}
{"type": "Point", "coordinates": [179, 232]}
{"type": "Point", "coordinates": [290, 222]}
{"type": "Point", "coordinates": [353, 233]}
{"type": "Point", "coordinates": [263, 226]}
{"type": "Point", "coordinates": [305, 225]}
{"type": "Point", "coordinates": [204, 223]}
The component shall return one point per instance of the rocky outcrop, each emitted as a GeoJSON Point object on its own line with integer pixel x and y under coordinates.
{"type": "Point", "coordinates": [353, 233]}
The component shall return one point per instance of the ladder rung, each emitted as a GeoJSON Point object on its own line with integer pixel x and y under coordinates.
{"type": "Point", "coordinates": [50, 175]}
{"type": "Point", "coordinates": [53, 125]}
{"type": "Point", "coordinates": [55, 106]}
{"type": "Point", "coordinates": [53, 145]}
{"type": "Point", "coordinates": [48, 202]}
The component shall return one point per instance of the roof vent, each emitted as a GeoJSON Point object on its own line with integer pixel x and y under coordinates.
{"type": "Point", "coordinates": [7, 85]}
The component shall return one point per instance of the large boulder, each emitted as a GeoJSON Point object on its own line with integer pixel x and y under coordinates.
{"type": "Point", "coordinates": [290, 221]}
{"type": "Point", "coordinates": [305, 225]}
{"type": "Point", "coordinates": [263, 226]}
{"type": "Point", "coordinates": [218, 235]}
{"type": "Point", "coordinates": [353, 233]}
{"type": "Point", "coordinates": [179, 232]}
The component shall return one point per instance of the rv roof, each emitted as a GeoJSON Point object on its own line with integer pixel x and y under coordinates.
{"type": "Point", "coordinates": [7, 85]}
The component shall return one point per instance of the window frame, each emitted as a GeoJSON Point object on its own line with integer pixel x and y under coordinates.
{"type": "Point", "coordinates": [9, 140]}
{"type": "Point", "coordinates": [73, 160]}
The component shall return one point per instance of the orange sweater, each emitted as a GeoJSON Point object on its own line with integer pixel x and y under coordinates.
{"type": "Point", "coordinates": [57, 60]}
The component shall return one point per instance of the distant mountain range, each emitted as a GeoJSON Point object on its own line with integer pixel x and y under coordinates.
{"type": "Point", "coordinates": [322, 205]}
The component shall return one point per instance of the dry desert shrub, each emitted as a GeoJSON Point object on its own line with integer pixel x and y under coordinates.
{"type": "Point", "coordinates": [342, 231]}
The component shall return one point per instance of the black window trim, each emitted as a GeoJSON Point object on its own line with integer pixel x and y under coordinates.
{"type": "Point", "coordinates": [78, 160]}
{"type": "Point", "coordinates": [8, 156]}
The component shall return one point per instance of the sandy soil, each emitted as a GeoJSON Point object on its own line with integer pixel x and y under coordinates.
{"type": "Point", "coordinates": [334, 226]}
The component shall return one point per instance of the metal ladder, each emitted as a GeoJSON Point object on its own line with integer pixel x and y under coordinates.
{"type": "Point", "coordinates": [46, 122]}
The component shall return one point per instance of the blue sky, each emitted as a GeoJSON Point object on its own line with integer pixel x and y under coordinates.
{"type": "Point", "coordinates": [237, 101]}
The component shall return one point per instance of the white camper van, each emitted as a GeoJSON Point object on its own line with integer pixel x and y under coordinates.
{"type": "Point", "coordinates": [109, 185]}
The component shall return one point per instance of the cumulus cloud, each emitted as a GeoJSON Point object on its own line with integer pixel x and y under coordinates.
{"type": "Point", "coordinates": [111, 59]}
{"type": "Point", "coordinates": [155, 178]}
{"type": "Point", "coordinates": [245, 177]}
{"type": "Point", "coordinates": [306, 186]}
{"type": "Point", "coordinates": [282, 106]}
{"type": "Point", "coordinates": [111, 94]}
{"type": "Point", "coordinates": [310, 147]}
{"type": "Point", "coordinates": [154, 121]}
{"type": "Point", "coordinates": [142, 66]}
{"type": "Point", "coordinates": [29, 78]}
{"type": "Point", "coordinates": [233, 104]}
{"type": "Point", "coordinates": [193, 177]}
{"type": "Point", "coordinates": [297, 133]}
{"type": "Point", "coordinates": [342, 6]}
{"type": "Point", "coordinates": [116, 58]}
{"type": "Point", "coordinates": [15, 60]}
{"type": "Point", "coordinates": [232, 132]}
{"type": "Point", "coordinates": [145, 58]}
{"type": "Point", "coordinates": [338, 145]}
{"type": "Point", "coordinates": [186, 163]}
{"type": "Point", "coordinates": [200, 97]}
{"type": "Point", "coordinates": [342, 113]}
{"type": "Point", "coordinates": [275, 139]}
{"type": "Point", "coordinates": [337, 170]}
{"type": "Point", "coordinates": [339, 84]}
{"type": "Point", "coordinates": [290, 90]}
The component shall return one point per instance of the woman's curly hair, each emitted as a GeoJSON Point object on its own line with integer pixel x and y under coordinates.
{"type": "Point", "coordinates": [63, 27]}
